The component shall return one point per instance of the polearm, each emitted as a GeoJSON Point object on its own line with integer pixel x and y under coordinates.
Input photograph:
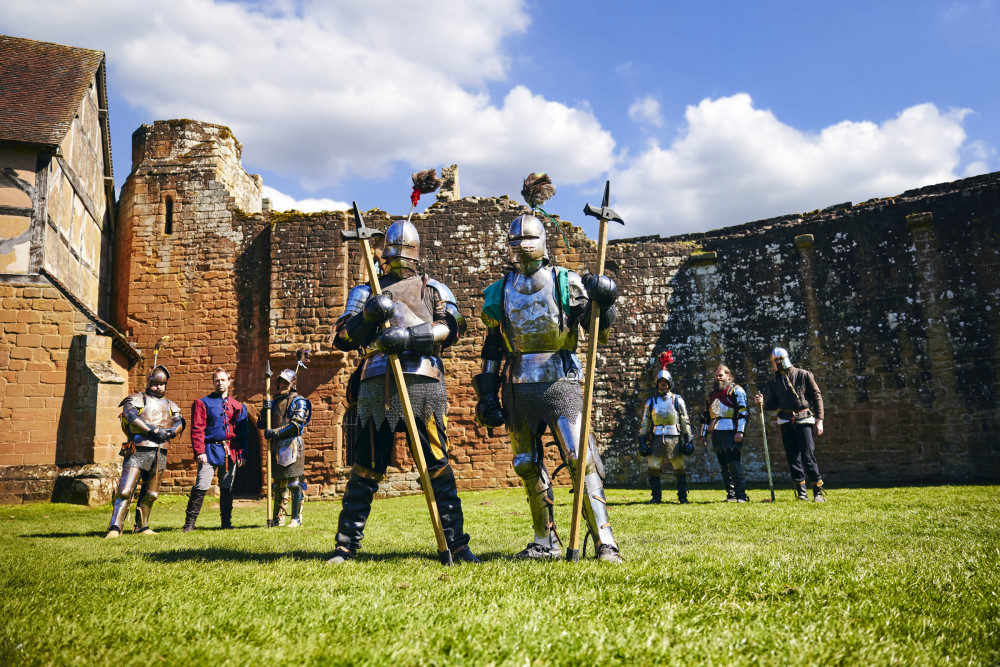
{"type": "Point", "coordinates": [767, 453]}
{"type": "Point", "coordinates": [363, 235]}
{"type": "Point", "coordinates": [267, 442]}
{"type": "Point", "coordinates": [604, 214]}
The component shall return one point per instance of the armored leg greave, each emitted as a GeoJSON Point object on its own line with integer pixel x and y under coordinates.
{"type": "Point", "coordinates": [357, 505]}
{"type": "Point", "coordinates": [449, 507]}
{"type": "Point", "coordinates": [147, 496]}
{"type": "Point", "coordinates": [654, 484]}
{"type": "Point", "coordinates": [123, 498]}
{"type": "Point", "coordinates": [195, 501]}
{"type": "Point", "coordinates": [595, 507]}
{"type": "Point", "coordinates": [298, 495]}
{"type": "Point", "coordinates": [281, 496]}
{"type": "Point", "coordinates": [226, 507]}
{"type": "Point", "coordinates": [538, 488]}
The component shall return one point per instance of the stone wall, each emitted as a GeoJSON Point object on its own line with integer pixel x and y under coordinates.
{"type": "Point", "coordinates": [892, 303]}
{"type": "Point", "coordinates": [60, 384]}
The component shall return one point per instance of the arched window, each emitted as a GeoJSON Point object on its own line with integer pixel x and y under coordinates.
{"type": "Point", "coordinates": [168, 215]}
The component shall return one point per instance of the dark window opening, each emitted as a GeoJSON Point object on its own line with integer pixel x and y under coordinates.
{"type": "Point", "coordinates": [168, 216]}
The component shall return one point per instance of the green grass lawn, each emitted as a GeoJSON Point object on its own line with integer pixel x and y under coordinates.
{"type": "Point", "coordinates": [885, 576]}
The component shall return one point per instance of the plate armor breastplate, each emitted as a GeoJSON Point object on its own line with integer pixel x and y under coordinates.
{"type": "Point", "coordinates": [664, 415]}
{"type": "Point", "coordinates": [157, 412]}
{"type": "Point", "coordinates": [410, 310]}
{"type": "Point", "coordinates": [541, 349]}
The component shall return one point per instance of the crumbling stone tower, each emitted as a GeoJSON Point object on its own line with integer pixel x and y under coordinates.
{"type": "Point", "coordinates": [183, 228]}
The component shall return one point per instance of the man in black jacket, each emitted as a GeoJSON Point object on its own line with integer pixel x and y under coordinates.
{"type": "Point", "coordinates": [794, 394]}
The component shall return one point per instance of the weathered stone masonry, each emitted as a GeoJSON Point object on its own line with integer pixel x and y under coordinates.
{"type": "Point", "coordinates": [892, 303]}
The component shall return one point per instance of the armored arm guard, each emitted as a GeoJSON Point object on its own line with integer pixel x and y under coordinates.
{"type": "Point", "coordinates": [177, 427]}
{"type": "Point", "coordinates": [740, 418]}
{"type": "Point", "coordinates": [646, 427]}
{"type": "Point", "coordinates": [603, 291]}
{"type": "Point", "coordinates": [362, 316]}
{"type": "Point", "coordinates": [449, 323]}
{"type": "Point", "coordinates": [685, 422]}
{"type": "Point", "coordinates": [130, 414]}
{"type": "Point", "coordinates": [299, 414]}
{"type": "Point", "coordinates": [489, 411]}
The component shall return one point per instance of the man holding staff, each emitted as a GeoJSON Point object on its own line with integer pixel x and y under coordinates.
{"type": "Point", "coordinates": [794, 394]}
{"type": "Point", "coordinates": [421, 318]}
{"type": "Point", "coordinates": [533, 315]}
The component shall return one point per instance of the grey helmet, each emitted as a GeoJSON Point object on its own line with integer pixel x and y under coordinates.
{"type": "Point", "coordinates": [402, 246]}
{"type": "Point", "coordinates": [159, 375]}
{"type": "Point", "coordinates": [288, 375]}
{"type": "Point", "coordinates": [663, 374]}
{"type": "Point", "coordinates": [780, 360]}
{"type": "Point", "coordinates": [526, 239]}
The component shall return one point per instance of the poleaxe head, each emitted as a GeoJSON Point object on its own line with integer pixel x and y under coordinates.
{"type": "Point", "coordinates": [360, 232]}
{"type": "Point", "coordinates": [605, 212]}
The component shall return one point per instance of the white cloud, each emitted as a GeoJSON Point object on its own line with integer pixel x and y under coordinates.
{"type": "Point", "coordinates": [646, 112]}
{"type": "Point", "coordinates": [327, 91]}
{"type": "Point", "coordinates": [734, 163]}
{"type": "Point", "coordinates": [282, 202]}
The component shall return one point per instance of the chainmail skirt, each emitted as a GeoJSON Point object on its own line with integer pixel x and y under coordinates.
{"type": "Point", "coordinates": [540, 403]}
{"type": "Point", "coordinates": [143, 459]}
{"type": "Point", "coordinates": [427, 397]}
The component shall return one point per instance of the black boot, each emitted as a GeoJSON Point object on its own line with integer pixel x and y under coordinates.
{"type": "Point", "coordinates": [740, 482]}
{"type": "Point", "coordinates": [195, 500]}
{"type": "Point", "coordinates": [727, 481]}
{"type": "Point", "coordinates": [818, 495]}
{"type": "Point", "coordinates": [450, 510]}
{"type": "Point", "coordinates": [657, 489]}
{"type": "Point", "coordinates": [226, 508]}
{"type": "Point", "coordinates": [800, 491]}
{"type": "Point", "coordinates": [682, 488]}
{"type": "Point", "coordinates": [357, 505]}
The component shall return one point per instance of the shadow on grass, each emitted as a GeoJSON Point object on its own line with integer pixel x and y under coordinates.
{"type": "Point", "coordinates": [235, 555]}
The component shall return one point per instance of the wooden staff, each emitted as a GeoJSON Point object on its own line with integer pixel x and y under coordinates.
{"type": "Point", "coordinates": [604, 214]}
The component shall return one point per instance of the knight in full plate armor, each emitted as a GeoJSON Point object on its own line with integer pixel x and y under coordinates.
{"type": "Point", "coordinates": [150, 421]}
{"type": "Point", "coordinates": [421, 319]}
{"type": "Point", "coordinates": [725, 417]}
{"type": "Point", "coordinates": [290, 415]}
{"type": "Point", "coordinates": [533, 315]}
{"type": "Point", "coordinates": [665, 433]}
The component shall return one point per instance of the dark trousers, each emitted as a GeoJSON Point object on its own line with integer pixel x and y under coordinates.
{"type": "Point", "coordinates": [800, 450]}
{"type": "Point", "coordinates": [373, 454]}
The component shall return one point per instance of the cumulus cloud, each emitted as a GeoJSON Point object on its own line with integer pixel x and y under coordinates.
{"type": "Point", "coordinates": [646, 112]}
{"type": "Point", "coordinates": [733, 163]}
{"type": "Point", "coordinates": [329, 91]}
{"type": "Point", "coordinates": [282, 202]}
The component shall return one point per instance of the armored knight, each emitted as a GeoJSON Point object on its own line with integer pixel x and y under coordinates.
{"type": "Point", "coordinates": [665, 432]}
{"type": "Point", "coordinates": [533, 316]}
{"type": "Point", "coordinates": [421, 318]}
{"type": "Point", "coordinates": [150, 421]}
{"type": "Point", "coordinates": [290, 415]}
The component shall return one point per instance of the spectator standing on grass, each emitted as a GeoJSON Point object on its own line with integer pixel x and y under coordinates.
{"type": "Point", "coordinates": [794, 394]}
{"type": "Point", "coordinates": [219, 439]}
{"type": "Point", "coordinates": [725, 418]}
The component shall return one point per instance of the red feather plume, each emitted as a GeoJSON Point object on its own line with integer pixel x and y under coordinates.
{"type": "Point", "coordinates": [666, 358]}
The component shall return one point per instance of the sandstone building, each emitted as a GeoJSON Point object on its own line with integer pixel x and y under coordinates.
{"type": "Point", "coordinates": [893, 303]}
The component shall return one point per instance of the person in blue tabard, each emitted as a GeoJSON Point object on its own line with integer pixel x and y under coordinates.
{"type": "Point", "coordinates": [219, 426]}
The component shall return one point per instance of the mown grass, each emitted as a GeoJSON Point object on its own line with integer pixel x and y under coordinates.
{"type": "Point", "coordinates": [884, 576]}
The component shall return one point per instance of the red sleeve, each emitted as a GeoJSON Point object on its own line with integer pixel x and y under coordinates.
{"type": "Point", "coordinates": [198, 427]}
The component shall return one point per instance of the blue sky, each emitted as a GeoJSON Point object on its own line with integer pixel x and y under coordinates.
{"type": "Point", "coordinates": [702, 115]}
